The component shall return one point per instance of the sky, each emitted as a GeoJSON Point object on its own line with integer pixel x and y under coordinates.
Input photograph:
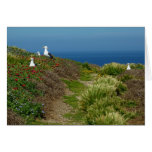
{"type": "Point", "coordinates": [77, 39]}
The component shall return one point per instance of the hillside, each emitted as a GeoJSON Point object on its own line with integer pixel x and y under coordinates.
{"type": "Point", "coordinates": [66, 92]}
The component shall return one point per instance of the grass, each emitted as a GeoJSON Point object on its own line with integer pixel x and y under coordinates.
{"type": "Point", "coordinates": [71, 100]}
{"type": "Point", "coordinates": [74, 85]}
{"type": "Point", "coordinates": [87, 70]}
{"type": "Point", "coordinates": [77, 88]}
{"type": "Point", "coordinates": [125, 77]}
{"type": "Point", "coordinates": [75, 118]}
{"type": "Point", "coordinates": [136, 66]}
{"type": "Point", "coordinates": [103, 87]}
{"type": "Point", "coordinates": [113, 69]}
{"type": "Point", "coordinates": [99, 104]}
{"type": "Point", "coordinates": [102, 105]}
{"type": "Point", "coordinates": [86, 75]}
{"type": "Point", "coordinates": [103, 112]}
{"type": "Point", "coordinates": [108, 111]}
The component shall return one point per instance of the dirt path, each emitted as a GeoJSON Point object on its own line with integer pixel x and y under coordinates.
{"type": "Point", "coordinates": [59, 108]}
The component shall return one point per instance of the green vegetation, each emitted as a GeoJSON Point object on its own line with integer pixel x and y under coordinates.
{"type": "Point", "coordinates": [85, 75]}
{"type": "Point", "coordinates": [22, 82]}
{"type": "Point", "coordinates": [86, 65]}
{"type": "Point", "coordinates": [74, 86]}
{"type": "Point", "coordinates": [136, 66]}
{"type": "Point", "coordinates": [113, 69]}
{"type": "Point", "coordinates": [99, 95]}
{"type": "Point", "coordinates": [103, 87]}
{"type": "Point", "coordinates": [71, 100]}
{"type": "Point", "coordinates": [101, 104]}
{"type": "Point", "coordinates": [126, 77]}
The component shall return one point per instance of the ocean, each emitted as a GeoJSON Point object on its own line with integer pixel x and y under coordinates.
{"type": "Point", "coordinates": [101, 58]}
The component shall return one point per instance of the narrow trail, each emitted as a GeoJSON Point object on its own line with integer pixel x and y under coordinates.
{"type": "Point", "coordinates": [59, 108]}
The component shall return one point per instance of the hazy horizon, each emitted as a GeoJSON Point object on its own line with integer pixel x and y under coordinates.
{"type": "Point", "coordinates": [78, 39]}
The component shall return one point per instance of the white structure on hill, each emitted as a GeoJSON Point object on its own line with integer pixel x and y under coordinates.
{"type": "Point", "coordinates": [128, 67]}
{"type": "Point", "coordinates": [38, 53]}
{"type": "Point", "coordinates": [46, 51]}
{"type": "Point", "coordinates": [32, 63]}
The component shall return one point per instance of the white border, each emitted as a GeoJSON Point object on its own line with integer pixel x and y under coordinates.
{"type": "Point", "coordinates": [74, 13]}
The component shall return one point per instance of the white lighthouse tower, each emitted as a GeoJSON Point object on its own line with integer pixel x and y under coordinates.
{"type": "Point", "coordinates": [128, 67]}
{"type": "Point", "coordinates": [46, 51]}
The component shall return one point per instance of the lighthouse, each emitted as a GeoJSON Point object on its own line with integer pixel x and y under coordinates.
{"type": "Point", "coordinates": [46, 51]}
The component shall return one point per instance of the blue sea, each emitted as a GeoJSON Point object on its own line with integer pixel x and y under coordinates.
{"type": "Point", "coordinates": [101, 58]}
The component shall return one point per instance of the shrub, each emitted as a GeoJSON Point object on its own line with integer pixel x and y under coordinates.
{"type": "Point", "coordinates": [113, 118]}
{"type": "Point", "coordinates": [107, 80]}
{"type": "Point", "coordinates": [103, 87]}
{"type": "Point", "coordinates": [17, 51]}
{"type": "Point", "coordinates": [86, 65]}
{"type": "Point", "coordinates": [100, 103]}
{"type": "Point", "coordinates": [136, 66]}
{"type": "Point", "coordinates": [113, 69]}
{"type": "Point", "coordinates": [121, 88]}
{"type": "Point", "coordinates": [93, 94]}
{"type": "Point", "coordinates": [103, 113]}
{"type": "Point", "coordinates": [68, 69]}
{"type": "Point", "coordinates": [125, 77]}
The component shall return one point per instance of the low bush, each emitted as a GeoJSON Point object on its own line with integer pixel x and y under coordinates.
{"type": "Point", "coordinates": [125, 77]}
{"type": "Point", "coordinates": [113, 69]}
{"type": "Point", "coordinates": [86, 65]}
{"type": "Point", "coordinates": [121, 88]}
{"type": "Point", "coordinates": [102, 105]}
{"type": "Point", "coordinates": [136, 66]}
{"type": "Point", "coordinates": [104, 112]}
{"type": "Point", "coordinates": [68, 69]}
{"type": "Point", "coordinates": [103, 87]}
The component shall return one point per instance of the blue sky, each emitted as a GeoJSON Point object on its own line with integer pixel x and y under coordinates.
{"type": "Point", "coordinates": [77, 38]}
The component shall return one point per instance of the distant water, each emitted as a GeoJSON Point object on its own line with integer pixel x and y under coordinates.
{"type": "Point", "coordinates": [101, 58]}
